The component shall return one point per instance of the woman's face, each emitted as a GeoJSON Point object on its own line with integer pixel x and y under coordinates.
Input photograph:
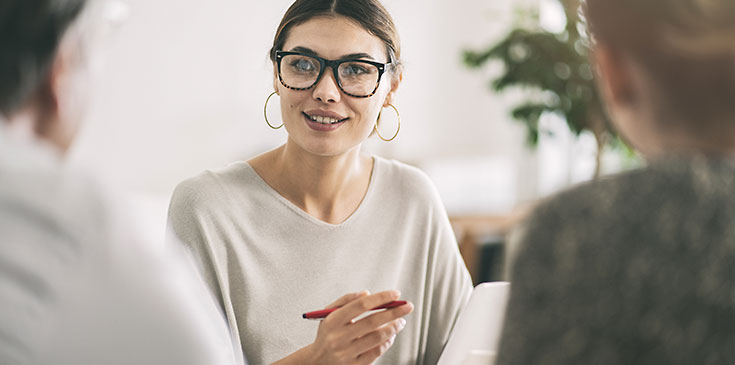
{"type": "Point", "coordinates": [323, 120]}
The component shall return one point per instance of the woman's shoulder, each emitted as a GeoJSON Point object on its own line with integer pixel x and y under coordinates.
{"type": "Point", "coordinates": [405, 179]}
{"type": "Point", "coordinates": [211, 185]}
{"type": "Point", "coordinates": [398, 171]}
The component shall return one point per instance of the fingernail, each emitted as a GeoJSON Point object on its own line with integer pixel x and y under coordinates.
{"type": "Point", "coordinates": [403, 323]}
{"type": "Point", "coordinates": [398, 293]}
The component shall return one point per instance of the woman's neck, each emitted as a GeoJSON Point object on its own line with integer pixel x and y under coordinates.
{"type": "Point", "coordinates": [330, 188]}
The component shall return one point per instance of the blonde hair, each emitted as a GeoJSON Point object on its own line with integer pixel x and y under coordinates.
{"type": "Point", "coordinates": [702, 27]}
{"type": "Point", "coordinates": [686, 46]}
{"type": "Point", "coordinates": [370, 14]}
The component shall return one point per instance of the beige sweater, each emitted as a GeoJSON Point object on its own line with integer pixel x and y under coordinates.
{"type": "Point", "coordinates": [268, 261]}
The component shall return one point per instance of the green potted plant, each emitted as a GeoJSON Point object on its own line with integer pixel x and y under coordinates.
{"type": "Point", "coordinates": [556, 64]}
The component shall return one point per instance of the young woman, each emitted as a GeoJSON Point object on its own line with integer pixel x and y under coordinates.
{"type": "Point", "coordinates": [298, 226]}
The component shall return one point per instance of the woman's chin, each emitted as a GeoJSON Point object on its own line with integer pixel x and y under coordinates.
{"type": "Point", "coordinates": [325, 148]}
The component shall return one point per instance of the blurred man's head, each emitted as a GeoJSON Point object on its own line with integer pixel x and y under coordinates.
{"type": "Point", "coordinates": [668, 71]}
{"type": "Point", "coordinates": [41, 90]}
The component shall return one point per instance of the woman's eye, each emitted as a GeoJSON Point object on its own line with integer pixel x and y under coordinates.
{"type": "Point", "coordinates": [303, 65]}
{"type": "Point", "coordinates": [355, 69]}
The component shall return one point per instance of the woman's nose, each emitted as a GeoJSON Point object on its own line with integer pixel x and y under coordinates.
{"type": "Point", "coordinates": [326, 90]}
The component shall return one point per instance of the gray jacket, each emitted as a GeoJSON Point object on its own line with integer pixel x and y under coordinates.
{"type": "Point", "coordinates": [638, 268]}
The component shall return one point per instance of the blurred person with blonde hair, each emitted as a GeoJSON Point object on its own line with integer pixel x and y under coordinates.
{"type": "Point", "coordinates": [78, 284]}
{"type": "Point", "coordinates": [639, 268]}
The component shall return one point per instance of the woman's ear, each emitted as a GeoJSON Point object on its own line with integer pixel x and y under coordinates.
{"type": "Point", "coordinates": [275, 78]}
{"type": "Point", "coordinates": [394, 84]}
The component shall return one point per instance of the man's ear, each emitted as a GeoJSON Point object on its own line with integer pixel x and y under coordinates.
{"type": "Point", "coordinates": [615, 75]}
{"type": "Point", "coordinates": [61, 98]}
{"type": "Point", "coordinates": [394, 84]}
{"type": "Point", "coordinates": [48, 99]}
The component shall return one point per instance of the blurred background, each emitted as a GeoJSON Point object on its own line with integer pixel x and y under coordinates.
{"type": "Point", "coordinates": [185, 82]}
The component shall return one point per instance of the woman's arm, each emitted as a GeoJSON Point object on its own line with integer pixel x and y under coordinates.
{"type": "Point", "coordinates": [450, 282]}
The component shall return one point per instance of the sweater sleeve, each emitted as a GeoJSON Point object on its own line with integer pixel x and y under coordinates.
{"type": "Point", "coordinates": [450, 284]}
{"type": "Point", "coordinates": [192, 224]}
{"type": "Point", "coordinates": [187, 226]}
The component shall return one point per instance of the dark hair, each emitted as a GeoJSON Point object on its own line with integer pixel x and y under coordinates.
{"type": "Point", "coordinates": [686, 46]}
{"type": "Point", "coordinates": [30, 33]}
{"type": "Point", "coordinates": [370, 14]}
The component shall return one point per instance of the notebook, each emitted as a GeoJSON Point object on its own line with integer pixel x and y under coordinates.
{"type": "Point", "coordinates": [479, 325]}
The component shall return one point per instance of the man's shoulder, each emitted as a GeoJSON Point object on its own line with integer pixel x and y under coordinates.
{"type": "Point", "coordinates": [654, 206]}
{"type": "Point", "coordinates": [670, 184]}
{"type": "Point", "coordinates": [605, 194]}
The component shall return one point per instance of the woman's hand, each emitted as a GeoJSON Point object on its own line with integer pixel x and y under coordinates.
{"type": "Point", "coordinates": [341, 340]}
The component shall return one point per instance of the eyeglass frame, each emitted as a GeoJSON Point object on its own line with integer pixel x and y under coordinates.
{"type": "Point", "coordinates": [334, 64]}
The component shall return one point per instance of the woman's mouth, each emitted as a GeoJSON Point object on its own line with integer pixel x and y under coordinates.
{"type": "Point", "coordinates": [324, 119]}
{"type": "Point", "coordinates": [323, 123]}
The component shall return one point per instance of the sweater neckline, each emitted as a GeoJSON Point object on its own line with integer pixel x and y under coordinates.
{"type": "Point", "coordinates": [296, 209]}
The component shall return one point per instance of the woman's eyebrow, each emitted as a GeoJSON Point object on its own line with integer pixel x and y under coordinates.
{"type": "Point", "coordinates": [311, 52]}
{"type": "Point", "coordinates": [305, 50]}
{"type": "Point", "coordinates": [356, 55]}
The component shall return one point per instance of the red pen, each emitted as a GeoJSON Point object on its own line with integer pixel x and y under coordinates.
{"type": "Point", "coordinates": [324, 312]}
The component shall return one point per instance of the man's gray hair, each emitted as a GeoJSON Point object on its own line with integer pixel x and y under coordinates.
{"type": "Point", "coordinates": [30, 33]}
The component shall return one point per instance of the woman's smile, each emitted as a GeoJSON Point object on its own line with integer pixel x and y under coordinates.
{"type": "Point", "coordinates": [323, 120]}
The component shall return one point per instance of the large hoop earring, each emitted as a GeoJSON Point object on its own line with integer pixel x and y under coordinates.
{"type": "Point", "coordinates": [397, 130]}
{"type": "Point", "coordinates": [265, 111]}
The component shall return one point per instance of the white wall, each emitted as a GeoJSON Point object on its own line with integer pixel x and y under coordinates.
{"type": "Point", "coordinates": [187, 80]}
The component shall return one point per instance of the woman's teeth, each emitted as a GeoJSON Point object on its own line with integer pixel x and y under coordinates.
{"type": "Point", "coordinates": [323, 120]}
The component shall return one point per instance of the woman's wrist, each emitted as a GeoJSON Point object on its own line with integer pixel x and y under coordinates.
{"type": "Point", "coordinates": [303, 356]}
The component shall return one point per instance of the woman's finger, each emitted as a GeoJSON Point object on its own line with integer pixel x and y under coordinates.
{"type": "Point", "coordinates": [368, 357]}
{"type": "Point", "coordinates": [347, 298]}
{"type": "Point", "coordinates": [378, 336]}
{"type": "Point", "coordinates": [351, 310]}
{"type": "Point", "coordinates": [377, 320]}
